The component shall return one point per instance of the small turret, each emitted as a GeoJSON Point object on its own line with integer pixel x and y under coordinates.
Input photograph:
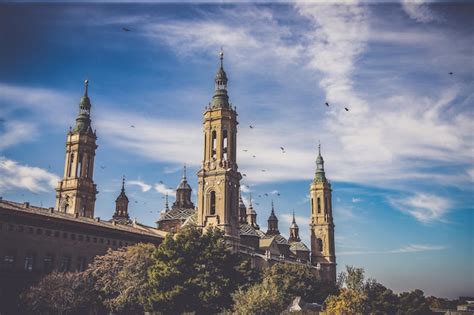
{"type": "Point", "coordinates": [183, 194]}
{"type": "Point", "coordinates": [83, 120]}
{"type": "Point", "coordinates": [273, 223]}
{"type": "Point", "coordinates": [252, 215]}
{"type": "Point", "coordinates": [220, 98]}
{"type": "Point", "coordinates": [294, 231]}
{"type": "Point", "coordinates": [121, 206]}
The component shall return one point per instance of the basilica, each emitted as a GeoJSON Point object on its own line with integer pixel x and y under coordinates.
{"type": "Point", "coordinates": [35, 240]}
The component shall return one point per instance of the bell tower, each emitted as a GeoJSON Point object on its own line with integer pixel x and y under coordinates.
{"type": "Point", "coordinates": [322, 225]}
{"type": "Point", "coordinates": [218, 178]}
{"type": "Point", "coordinates": [76, 192]}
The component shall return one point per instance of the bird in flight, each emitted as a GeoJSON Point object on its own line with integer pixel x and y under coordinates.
{"type": "Point", "coordinates": [102, 167]}
{"type": "Point", "coordinates": [347, 109]}
{"type": "Point", "coordinates": [278, 194]}
{"type": "Point", "coordinates": [136, 201]}
{"type": "Point", "coordinates": [161, 182]}
{"type": "Point", "coordinates": [266, 195]}
{"type": "Point", "coordinates": [282, 148]}
{"type": "Point", "coordinates": [263, 171]}
{"type": "Point", "coordinates": [133, 126]}
{"type": "Point", "coordinates": [125, 29]}
{"type": "Point", "coordinates": [257, 204]}
{"type": "Point", "coordinates": [254, 156]}
{"type": "Point", "coordinates": [244, 175]}
{"type": "Point", "coordinates": [451, 73]}
{"type": "Point", "coordinates": [327, 104]}
{"type": "Point", "coordinates": [245, 150]}
{"type": "Point", "coordinates": [251, 127]}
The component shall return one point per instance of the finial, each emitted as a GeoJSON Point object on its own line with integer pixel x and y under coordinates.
{"type": "Point", "coordinates": [273, 212]}
{"type": "Point", "coordinates": [294, 221]}
{"type": "Point", "coordinates": [319, 147]}
{"type": "Point", "coordinates": [86, 84]}
{"type": "Point", "coordinates": [221, 55]}
{"type": "Point", "coordinates": [184, 171]}
{"type": "Point", "coordinates": [123, 183]}
{"type": "Point", "coordinates": [250, 199]}
{"type": "Point", "coordinates": [166, 202]}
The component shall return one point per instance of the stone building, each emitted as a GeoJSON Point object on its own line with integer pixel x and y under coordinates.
{"type": "Point", "coordinates": [36, 240]}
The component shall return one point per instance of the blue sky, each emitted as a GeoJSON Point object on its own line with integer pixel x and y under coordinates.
{"type": "Point", "coordinates": [400, 160]}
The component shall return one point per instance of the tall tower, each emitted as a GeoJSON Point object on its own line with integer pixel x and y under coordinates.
{"type": "Point", "coordinates": [218, 178]}
{"type": "Point", "coordinates": [121, 207]}
{"type": "Point", "coordinates": [76, 192]}
{"type": "Point", "coordinates": [322, 225]}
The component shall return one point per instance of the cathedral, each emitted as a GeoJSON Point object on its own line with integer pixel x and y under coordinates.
{"type": "Point", "coordinates": [35, 240]}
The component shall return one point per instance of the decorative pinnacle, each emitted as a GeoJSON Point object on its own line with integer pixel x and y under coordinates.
{"type": "Point", "coordinates": [86, 84]}
{"type": "Point", "coordinates": [250, 199]}
{"type": "Point", "coordinates": [184, 171]}
{"type": "Point", "coordinates": [123, 183]}
{"type": "Point", "coordinates": [221, 55]}
{"type": "Point", "coordinates": [166, 202]}
{"type": "Point", "coordinates": [319, 147]}
{"type": "Point", "coordinates": [273, 211]}
{"type": "Point", "coordinates": [293, 217]}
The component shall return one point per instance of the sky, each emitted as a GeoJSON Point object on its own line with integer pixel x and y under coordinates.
{"type": "Point", "coordinates": [400, 160]}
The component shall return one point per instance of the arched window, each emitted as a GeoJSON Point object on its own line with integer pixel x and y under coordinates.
{"type": "Point", "coordinates": [224, 144]}
{"type": "Point", "coordinates": [320, 244]}
{"type": "Point", "coordinates": [79, 164]}
{"type": "Point", "coordinates": [319, 205]}
{"type": "Point", "coordinates": [214, 144]}
{"type": "Point", "coordinates": [71, 161]}
{"type": "Point", "coordinates": [312, 206]}
{"type": "Point", "coordinates": [213, 203]}
{"type": "Point", "coordinates": [88, 162]}
{"type": "Point", "coordinates": [326, 205]}
{"type": "Point", "coordinates": [66, 207]}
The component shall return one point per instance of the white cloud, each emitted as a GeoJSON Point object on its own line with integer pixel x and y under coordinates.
{"type": "Point", "coordinates": [418, 10]}
{"type": "Point", "coordinates": [412, 248]}
{"type": "Point", "coordinates": [424, 207]}
{"type": "Point", "coordinates": [144, 187]}
{"type": "Point", "coordinates": [162, 189]}
{"type": "Point", "coordinates": [15, 132]}
{"type": "Point", "coordinates": [356, 200]}
{"type": "Point", "coordinates": [35, 179]}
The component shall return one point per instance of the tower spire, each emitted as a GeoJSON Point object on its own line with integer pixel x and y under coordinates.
{"type": "Point", "coordinates": [123, 183]}
{"type": "Point", "coordinates": [166, 203]}
{"type": "Point", "coordinates": [184, 171]}
{"type": "Point", "coordinates": [272, 223]}
{"type": "Point", "coordinates": [86, 87]}
{"type": "Point", "coordinates": [320, 174]}
{"type": "Point", "coordinates": [294, 231]}
{"type": "Point", "coordinates": [121, 206]}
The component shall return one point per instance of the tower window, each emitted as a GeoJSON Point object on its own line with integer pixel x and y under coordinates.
{"type": "Point", "coordinates": [312, 205]}
{"type": "Point", "coordinates": [214, 144]}
{"type": "Point", "coordinates": [66, 207]}
{"type": "Point", "coordinates": [213, 203]}
{"type": "Point", "coordinates": [71, 161]}
{"type": "Point", "coordinates": [326, 206]}
{"type": "Point", "coordinates": [64, 263]}
{"type": "Point", "coordinates": [320, 244]}
{"type": "Point", "coordinates": [224, 144]}
{"type": "Point", "coordinates": [88, 162]}
{"type": "Point", "coordinates": [48, 263]}
{"type": "Point", "coordinates": [319, 205]}
{"type": "Point", "coordinates": [79, 161]}
{"type": "Point", "coordinates": [29, 262]}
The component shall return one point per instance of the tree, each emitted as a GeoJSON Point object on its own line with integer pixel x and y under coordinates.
{"type": "Point", "coordinates": [347, 302]}
{"type": "Point", "coordinates": [259, 299]}
{"type": "Point", "coordinates": [380, 299]}
{"type": "Point", "coordinates": [61, 293]}
{"type": "Point", "coordinates": [192, 271]}
{"type": "Point", "coordinates": [298, 280]}
{"type": "Point", "coordinates": [413, 303]}
{"type": "Point", "coordinates": [121, 277]}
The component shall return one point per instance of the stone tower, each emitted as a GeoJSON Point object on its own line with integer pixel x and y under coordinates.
{"type": "Point", "coordinates": [76, 192]}
{"type": "Point", "coordinates": [218, 178]}
{"type": "Point", "coordinates": [322, 225]}
{"type": "Point", "coordinates": [294, 231]}
{"type": "Point", "coordinates": [183, 194]}
{"type": "Point", "coordinates": [121, 207]}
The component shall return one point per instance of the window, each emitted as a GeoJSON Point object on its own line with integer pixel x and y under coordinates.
{"type": "Point", "coordinates": [64, 235]}
{"type": "Point", "coordinates": [319, 205]}
{"type": "Point", "coordinates": [9, 260]}
{"type": "Point", "coordinates": [326, 204]}
{"type": "Point", "coordinates": [81, 264]}
{"type": "Point", "coordinates": [88, 239]}
{"type": "Point", "coordinates": [214, 144]}
{"type": "Point", "coordinates": [213, 203]}
{"type": "Point", "coordinates": [71, 161]}
{"type": "Point", "coordinates": [39, 231]}
{"type": "Point", "coordinates": [224, 144]}
{"type": "Point", "coordinates": [312, 206]}
{"type": "Point", "coordinates": [48, 232]}
{"type": "Point", "coordinates": [29, 262]}
{"type": "Point", "coordinates": [48, 263]}
{"type": "Point", "coordinates": [73, 236]}
{"type": "Point", "coordinates": [80, 237]}
{"type": "Point", "coordinates": [101, 241]}
{"type": "Point", "coordinates": [114, 242]}
{"type": "Point", "coordinates": [56, 233]}
{"type": "Point", "coordinates": [94, 239]}
{"type": "Point", "coordinates": [320, 244]}
{"type": "Point", "coordinates": [79, 161]}
{"type": "Point", "coordinates": [88, 161]}
{"type": "Point", "coordinates": [20, 228]}
{"type": "Point", "coordinates": [10, 227]}
{"type": "Point", "coordinates": [64, 263]}
{"type": "Point", "coordinates": [66, 207]}
{"type": "Point", "coordinates": [30, 230]}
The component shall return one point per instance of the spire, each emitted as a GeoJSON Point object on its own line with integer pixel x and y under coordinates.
{"type": "Point", "coordinates": [252, 215]}
{"type": "Point", "coordinates": [242, 209]}
{"type": "Point", "coordinates": [272, 223]}
{"type": "Point", "coordinates": [220, 98]}
{"type": "Point", "coordinates": [294, 231]}
{"type": "Point", "coordinates": [184, 171]}
{"type": "Point", "coordinates": [166, 203]}
{"type": "Point", "coordinates": [320, 174]}
{"type": "Point", "coordinates": [121, 206]}
{"type": "Point", "coordinates": [83, 120]}
{"type": "Point", "coordinates": [183, 194]}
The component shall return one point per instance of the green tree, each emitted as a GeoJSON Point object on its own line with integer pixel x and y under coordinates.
{"type": "Point", "coordinates": [259, 299]}
{"type": "Point", "coordinates": [193, 272]}
{"type": "Point", "coordinates": [347, 302]}
{"type": "Point", "coordinates": [61, 293]}
{"type": "Point", "coordinates": [413, 303]}
{"type": "Point", "coordinates": [380, 299]}
{"type": "Point", "coordinates": [121, 277]}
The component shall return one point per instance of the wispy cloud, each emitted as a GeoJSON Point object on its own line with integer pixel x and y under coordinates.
{"type": "Point", "coordinates": [15, 132]}
{"type": "Point", "coordinates": [425, 208]}
{"type": "Point", "coordinates": [14, 175]}
{"type": "Point", "coordinates": [412, 248]}
{"type": "Point", "coordinates": [419, 10]}
{"type": "Point", "coordinates": [162, 189]}
{"type": "Point", "coordinates": [143, 186]}
{"type": "Point", "coordinates": [356, 200]}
